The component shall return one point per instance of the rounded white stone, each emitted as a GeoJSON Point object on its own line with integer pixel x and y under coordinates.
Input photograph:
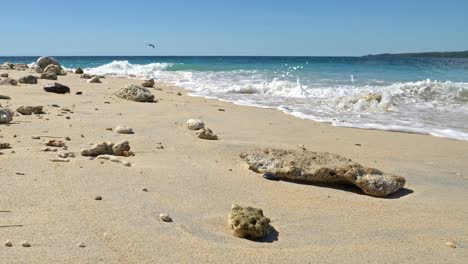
{"type": "Point", "coordinates": [195, 124]}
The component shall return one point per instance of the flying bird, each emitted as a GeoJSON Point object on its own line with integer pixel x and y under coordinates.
{"type": "Point", "coordinates": [151, 45]}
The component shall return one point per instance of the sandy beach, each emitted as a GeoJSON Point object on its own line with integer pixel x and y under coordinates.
{"type": "Point", "coordinates": [52, 204]}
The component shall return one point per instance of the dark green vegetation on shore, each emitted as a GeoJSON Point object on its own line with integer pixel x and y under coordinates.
{"type": "Point", "coordinates": [452, 54]}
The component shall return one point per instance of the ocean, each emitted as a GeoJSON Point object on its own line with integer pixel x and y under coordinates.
{"type": "Point", "coordinates": [415, 95]}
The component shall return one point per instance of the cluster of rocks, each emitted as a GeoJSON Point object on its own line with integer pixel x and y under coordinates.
{"type": "Point", "coordinates": [14, 66]}
{"type": "Point", "coordinates": [203, 133]}
{"type": "Point", "coordinates": [8, 81]}
{"type": "Point", "coordinates": [92, 78]}
{"type": "Point", "coordinates": [49, 65]}
{"type": "Point", "coordinates": [321, 167]}
{"type": "Point", "coordinates": [135, 93]}
{"type": "Point", "coordinates": [27, 79]}
{"type": "Point", "coordinates": [108, 148]}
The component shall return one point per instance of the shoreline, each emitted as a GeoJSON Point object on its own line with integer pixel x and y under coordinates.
{"type": "Point", "coordinates": [196, 181]}
{"type": "Point", "coordinates": [301, 116]}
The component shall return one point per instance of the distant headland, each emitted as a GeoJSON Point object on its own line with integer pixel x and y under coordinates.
{"type": "Point", "coordinates": [451, 54]}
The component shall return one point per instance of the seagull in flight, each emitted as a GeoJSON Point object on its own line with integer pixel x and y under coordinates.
{"type": "Point", "coordinates": [151, 45]}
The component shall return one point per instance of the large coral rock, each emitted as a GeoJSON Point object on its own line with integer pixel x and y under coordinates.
{"type": "Point", "coordinates": [135, 93]}
{"type": "Point", "coordinates": [108, 148]}
{"type": "Point", "coordinates": [8, 81]}
{"type": "Point", "coordinates": [248, 222]}
{"type": "Point", "coordinates": [6, 115]}
{"type": "Point", "coordinates": [29, 110]}
{"type": "Point", "coordinates": [321, 167]}
{"type": "Point", "coordinates": [28, 79]}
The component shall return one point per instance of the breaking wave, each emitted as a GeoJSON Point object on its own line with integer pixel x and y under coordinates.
{"type": "Point", "coordinates": [426, 106]}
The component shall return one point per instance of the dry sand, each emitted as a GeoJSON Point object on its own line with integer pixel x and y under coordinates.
{"type": "Point", "coordinates": [195, 181]}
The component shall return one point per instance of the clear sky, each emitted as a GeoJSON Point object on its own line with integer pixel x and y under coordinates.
{"type": "Point", "coordinates": [231, 27]}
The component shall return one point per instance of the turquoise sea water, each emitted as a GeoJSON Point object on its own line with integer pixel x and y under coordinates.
{"type": "Point", "coordinates": [422, 95]}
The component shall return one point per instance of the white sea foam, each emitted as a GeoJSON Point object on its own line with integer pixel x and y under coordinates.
{"type": "Point", "coordinates": [124, 69]}
{"type": "Point", "coordinates": [426, 107]}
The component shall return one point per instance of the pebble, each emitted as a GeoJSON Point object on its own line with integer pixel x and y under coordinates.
{"type": "Point", "coordinates": [165, 218]}
{"type": "Point", "coordinates": [66, 155]}
{"type": "Point", "coordinates": [79, 93]}
{"type": "Point", "coordinates": [451, 244]}
{"type": "Point", "coordinates": [81, 245]}
{"type": "Point", "coordinates": [271, 177]}
{"type": "Point", "coordinates": [8, 243]}
{"type": "Point", "coordinates": [121, 129]}
{"type": "Point", "coordinates": [98, 198]}
{"type": "Point", "coordinates": [67, 138]}
{"type": "Point", "coordinates": [144, 189]}
{"type": "Point", "coordinates": [55, 143]}
{"type": "Point", "coordinates": [60, 160]}
{"type": "Point", "coordinates": [25, 244]}
{"type": "Point", "coordinates": [49, 149]}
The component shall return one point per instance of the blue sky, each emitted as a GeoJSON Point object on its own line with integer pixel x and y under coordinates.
{"type": "Point", "coordinates": [237, 27]}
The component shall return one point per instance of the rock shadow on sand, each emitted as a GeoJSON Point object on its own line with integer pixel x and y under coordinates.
{"type": "Point", "coordinates": [350, 188]}
{"type": "Point", "coordinates": [272, 237]}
